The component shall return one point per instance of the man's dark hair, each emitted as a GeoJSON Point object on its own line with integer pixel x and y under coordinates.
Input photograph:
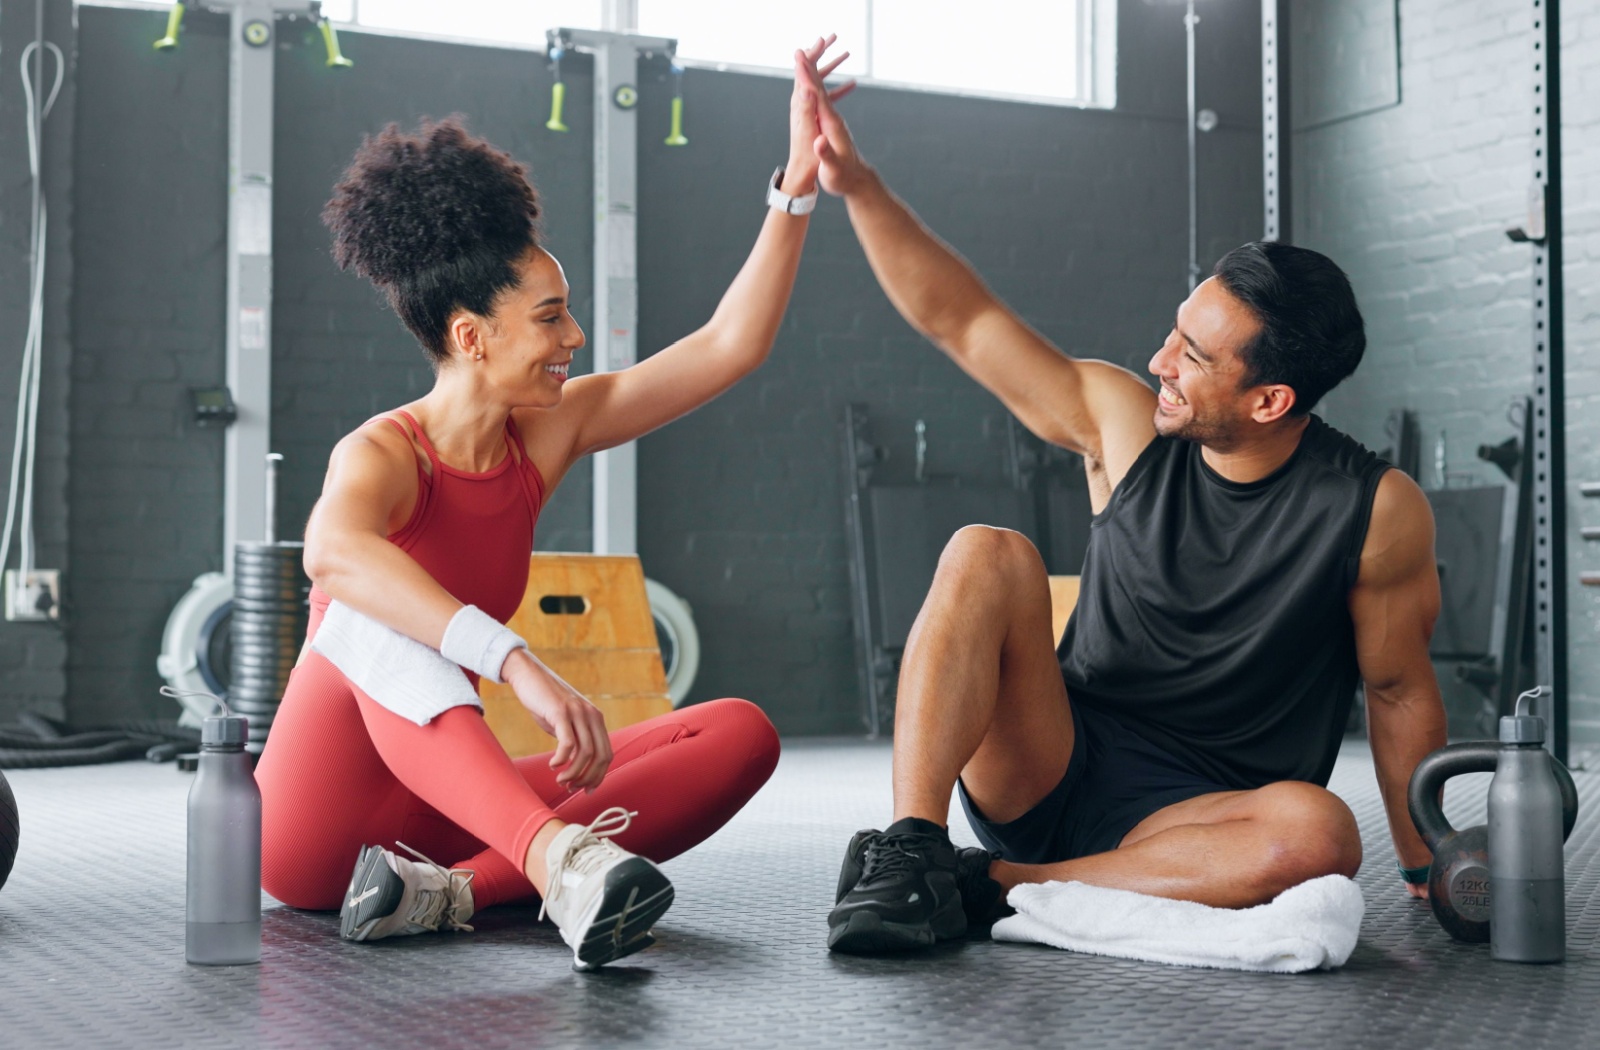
{"type": "Point", "coordinates": [1312, 335]}
{"type": "Point", "coordinates": [437, 220]}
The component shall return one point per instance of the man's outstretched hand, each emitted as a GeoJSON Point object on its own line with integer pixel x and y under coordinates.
{"type": "Point", "coordinates": [801, 173]}
{"type": "Point", "coordinates": [842, 169]}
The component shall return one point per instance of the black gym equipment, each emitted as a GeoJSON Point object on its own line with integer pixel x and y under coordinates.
{"type": "Point", "coordinates": [1484, 548]}
{"type": "Point", "coordinates": [1543, 231]}
{"type": "Point", "coordinates": [10, 830]}
{"type": "Point", "coordinates": [266, 622]}
{"type": "Point", "coordinates": [268, 625]}
{"type": "Point", "coordinates": [895, 532]}
{"type": "Point", "coordinates": [1406, 452]}
{"type": "Point", "coordinates": [1458, 880]}
{"type": "Point", "coordinates": [1275, 137]}
{"type": "Point", "coordinates": [34, 742]}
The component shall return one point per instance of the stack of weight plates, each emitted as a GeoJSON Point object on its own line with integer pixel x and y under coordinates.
{"type": "Point", "coordinates": [269, 624]}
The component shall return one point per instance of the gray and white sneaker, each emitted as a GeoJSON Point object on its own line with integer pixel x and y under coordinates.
{"type": "Point", "coordinates": [391, 896]}
{"type": "Point", "coordinates": [602, 898]}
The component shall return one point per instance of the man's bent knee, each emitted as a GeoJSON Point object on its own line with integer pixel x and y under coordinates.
{"type": "Point", "coordinates": [1313, 834]}
{"type": "Point", "coordinates": [1001, 555]}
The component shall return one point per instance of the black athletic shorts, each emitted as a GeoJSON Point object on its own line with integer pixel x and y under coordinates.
{"type": "Point", "coordinates": [1114, 780]}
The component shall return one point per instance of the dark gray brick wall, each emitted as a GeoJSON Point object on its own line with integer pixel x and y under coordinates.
{"type": "Point", "coordinates": [146, 483]}
{"type": "Point", "coordinates": [33, 656]}
{"type": "Point", "coordinates": [1413, 201]}
{"type": "Point", "coordinates": [1076, 217]}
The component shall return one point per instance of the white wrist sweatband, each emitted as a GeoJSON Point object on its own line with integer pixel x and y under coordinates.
{"type": "Point", "coordinates": [479, 642]}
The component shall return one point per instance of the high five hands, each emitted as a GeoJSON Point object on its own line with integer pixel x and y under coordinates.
{"type": "Point", "coordinates": [815, 129]}
{"type": "Point", "coordinates": [841, 168]}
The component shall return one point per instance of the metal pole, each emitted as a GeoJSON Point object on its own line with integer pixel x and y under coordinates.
{"type": "Point", "coordinates": [1275, 117]}
{"type": "Point", "coordinates": [274, 461]}
{"type": "Point", "coordinates": [249, 319]}
{"type": "Point", "coordinates": [1189, 22]}
{"type": "Point", "coordinates": [1549, 380]}
{"type": "Point", "coordinates": [616, 285]}
{"type": "Point", "coordinates": [36, 119]}
{"type": "Point", "coordinates": [619, 16]}
{"type": "Point", "coordinates": [616, 280]}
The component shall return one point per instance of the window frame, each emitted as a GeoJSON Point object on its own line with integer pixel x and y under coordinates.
{"type": "Point", "coordinates": [1096, 58]}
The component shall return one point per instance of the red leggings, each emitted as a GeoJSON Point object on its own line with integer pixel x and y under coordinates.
{"type": "Point", "coordinates": [340, 772]}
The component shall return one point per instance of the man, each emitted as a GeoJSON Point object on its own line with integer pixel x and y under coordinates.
{"type": "Point", "coordinates": [1247, 563]}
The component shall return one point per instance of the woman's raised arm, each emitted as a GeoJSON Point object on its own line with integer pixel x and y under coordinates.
{"type": "Point", "coordinates": [610, 408]}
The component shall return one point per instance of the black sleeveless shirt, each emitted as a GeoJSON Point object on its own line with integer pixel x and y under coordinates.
{"type": "Point", "coordinates": [1213, 616]}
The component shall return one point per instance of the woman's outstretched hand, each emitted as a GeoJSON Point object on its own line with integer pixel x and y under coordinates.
{"type": "Point", "coordinates": [841, 168]}
{"type": "Point", "coordinates": [800, 176]}
{"type": "Point", "coordinates": [583, 747]}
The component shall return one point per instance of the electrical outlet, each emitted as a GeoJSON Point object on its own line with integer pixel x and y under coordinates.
{"type": "Point", "coordinates": [33, 595]}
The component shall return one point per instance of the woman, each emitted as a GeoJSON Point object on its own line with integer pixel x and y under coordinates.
{"type": "Point", "coordinates": [418, 550]}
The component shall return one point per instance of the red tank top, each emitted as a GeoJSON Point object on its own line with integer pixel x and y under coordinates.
{"type": "Point", "coordinates": [471, 532]}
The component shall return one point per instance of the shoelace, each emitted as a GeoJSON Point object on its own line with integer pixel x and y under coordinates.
{"type": "Point", "coordinates": [588, 850]}
{"type": "Point", "coordinates": [892, 856]}
{"type": "Point", "coordinates": [432, 907]}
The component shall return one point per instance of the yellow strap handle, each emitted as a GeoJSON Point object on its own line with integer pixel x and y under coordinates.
{"type": "Point", "coordinates": [336, 59]}
{"type": "Point", "coordinates": [676, 137]}
{"type": "Point", "coordinates": [558, 95]}
{"type": "Point", "coordinates": [174, 22]}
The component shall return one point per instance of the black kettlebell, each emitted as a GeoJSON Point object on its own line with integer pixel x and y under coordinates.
{"type": "Point", "coordinates": [1458, 882]}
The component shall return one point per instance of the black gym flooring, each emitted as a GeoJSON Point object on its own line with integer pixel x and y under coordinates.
{"type": "Point", "coordinates": [91, 951]}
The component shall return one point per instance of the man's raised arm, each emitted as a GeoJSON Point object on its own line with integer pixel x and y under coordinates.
{"type": "Point", "coordinates": [1091, 407]}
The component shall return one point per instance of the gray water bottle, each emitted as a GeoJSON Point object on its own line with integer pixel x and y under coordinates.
{"type": "Point", "coordinates": [224, 912]}
{"type": "Point", "coordinates": [1527, 891]}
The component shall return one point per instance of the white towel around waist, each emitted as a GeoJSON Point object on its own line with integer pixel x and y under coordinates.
{"type": "Point", "coordinates": [400, 673]}
{"type": "Point", "coordinates": [1310, 926]}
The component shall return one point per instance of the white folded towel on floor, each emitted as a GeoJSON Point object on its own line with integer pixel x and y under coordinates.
{"type": "Point", "coordinates": [1306, 927]}
{"type": "Point", "coordinates": [400, 673]}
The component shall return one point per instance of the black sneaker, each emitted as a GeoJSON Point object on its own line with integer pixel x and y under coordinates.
{"type": "Point", "coordinates": [904, 893]}
{"type": "Point", "coordinates": [982, 899]}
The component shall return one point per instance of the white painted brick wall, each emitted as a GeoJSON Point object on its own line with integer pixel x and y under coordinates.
{"type": "Point", "coordinates": [1413, 201]}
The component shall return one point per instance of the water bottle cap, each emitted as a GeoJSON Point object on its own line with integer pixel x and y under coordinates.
{"type": "Point", "coordinates": [1522, 729]}
{"type": "Point", "coordinates": [224, 729]}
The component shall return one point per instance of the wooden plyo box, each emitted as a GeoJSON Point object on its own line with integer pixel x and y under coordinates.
{"type": "Point", "coordinates": [1063, 599]}
{"type": "Point", "coordinates": [588, 618]}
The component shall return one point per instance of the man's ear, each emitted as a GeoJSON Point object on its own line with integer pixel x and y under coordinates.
{"type": "Point", "coordinates": [1272, 402]}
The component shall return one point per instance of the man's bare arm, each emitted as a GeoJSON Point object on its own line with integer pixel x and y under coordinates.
{"type": "Point", "coordinates": [1091, 407]}
{"type": "Point", "coordinates": [1394, 605]}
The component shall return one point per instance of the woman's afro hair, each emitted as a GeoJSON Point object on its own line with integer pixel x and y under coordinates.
{"type": "Point", "coordinates": [435, 218]}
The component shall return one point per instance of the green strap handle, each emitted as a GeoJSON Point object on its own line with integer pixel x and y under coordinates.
{"type": "Point", "coordinates": [174, 22]}
{"type": "Point", "coordinates": [558, 96]}
{"type": "Point", "coordinates": [330, 38]}
{"type": "Point", "coordinates": [676, 137]}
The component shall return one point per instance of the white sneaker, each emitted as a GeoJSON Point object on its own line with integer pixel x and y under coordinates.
{"type": "Point", "coordinates": [602, 898]}
{"type": "Point", "coordinates": [390, 896]}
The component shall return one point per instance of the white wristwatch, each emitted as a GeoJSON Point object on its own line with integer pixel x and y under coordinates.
{"type": "Point", "coordinates": [780, 200]}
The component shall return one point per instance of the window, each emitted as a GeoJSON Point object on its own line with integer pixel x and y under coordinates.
{"type": "Point", "coordinates": [1061, 51]}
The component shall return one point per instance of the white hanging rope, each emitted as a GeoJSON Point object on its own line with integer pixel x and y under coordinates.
{"type": "Point", "coordinates": [24, 446]}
